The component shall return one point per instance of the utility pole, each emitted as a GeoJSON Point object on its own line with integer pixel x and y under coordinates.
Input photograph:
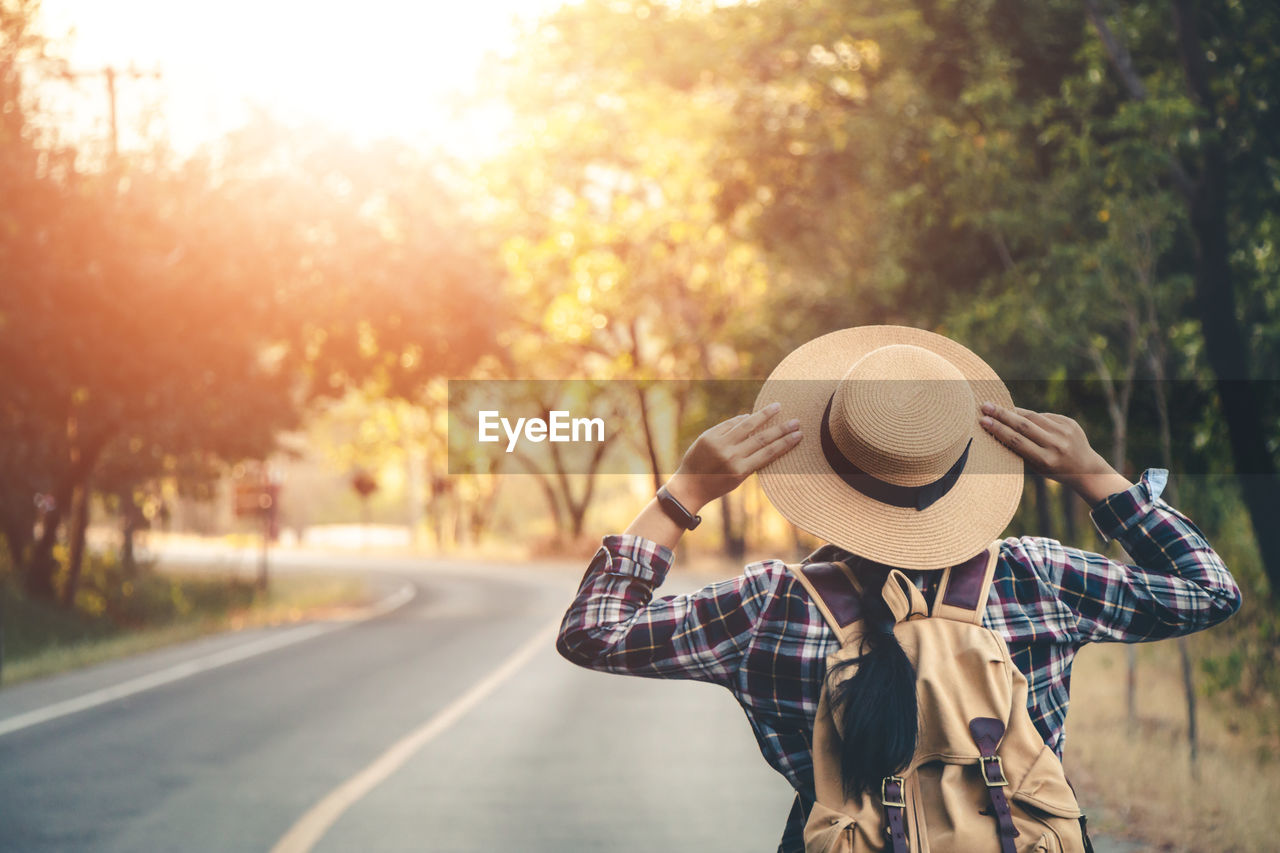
{"type": "Point", "coordinates": [110, 73]}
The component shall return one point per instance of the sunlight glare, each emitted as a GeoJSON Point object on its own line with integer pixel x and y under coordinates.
{"type": "Point", "coordinates": [382, 68]}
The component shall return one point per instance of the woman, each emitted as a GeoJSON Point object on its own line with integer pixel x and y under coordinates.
{"type": "Point", "coordinates": [904, 448]}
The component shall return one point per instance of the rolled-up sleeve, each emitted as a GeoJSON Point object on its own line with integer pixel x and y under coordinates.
{"type": "Point", "coordinates": [1177, 584]}
{"type": "Point", "coordinates": [614, 624]}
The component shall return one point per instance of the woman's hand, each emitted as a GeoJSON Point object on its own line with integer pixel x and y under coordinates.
{"type": "Point", "coordinates": [724, 456]}
{"type": "Point", "coordinates": [1055, 446]}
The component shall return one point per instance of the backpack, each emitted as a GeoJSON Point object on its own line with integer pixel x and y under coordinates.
{"type": "Point", "coordinates": [982, 778]}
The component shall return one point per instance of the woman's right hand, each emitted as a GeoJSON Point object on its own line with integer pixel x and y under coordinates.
{"type": "Point", "coordinates": [724, 456]}
{"type": "Point", "coordinates": [1056, 447]}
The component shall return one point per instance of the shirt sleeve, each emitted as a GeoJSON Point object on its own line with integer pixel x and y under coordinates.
{"type": "Point", "coordinates": [1177, 584]}
{"type": "Point", "coordinates": [616, 625]}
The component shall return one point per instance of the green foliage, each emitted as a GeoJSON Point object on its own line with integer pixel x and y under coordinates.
{"type": "Point", "coordinates": [112, 600]}
{"type": "Point", "coordinates": [119, 612]}
{"type": "Point", "coordinates": [1224, 673]}
{"type": "Point", "coordinates": [30, 627]}
{"type": "Point", "coordinates": [981, 167]}
{"type": "Point", "coordinates": [690, 190]}
{"type": "Point", "coordinates": [165, 319]}
{"type": "Point", "coordinates": [135, 599]}
{"type": "Point", "coordinates": [1244, 660]}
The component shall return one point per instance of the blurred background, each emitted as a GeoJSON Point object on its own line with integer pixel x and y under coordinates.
{"type": "Point", "coordinates": [245, 246]}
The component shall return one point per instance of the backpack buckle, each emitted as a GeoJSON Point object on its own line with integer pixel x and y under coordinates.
{"type": "Point", "coordinates": [901, 801]}
{"type": "Point", "coordinates": [988, 762]}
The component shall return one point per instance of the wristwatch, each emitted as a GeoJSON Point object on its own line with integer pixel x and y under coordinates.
{"type": "Point", "coordinates": [676, 511]}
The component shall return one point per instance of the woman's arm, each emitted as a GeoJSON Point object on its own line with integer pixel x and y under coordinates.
{"type": "Point", "coordinates": [614, 624]}
{"type": "Point", "coordinates": [716, 463]}
{"type": "Point", "coordinates": [1177, 584]}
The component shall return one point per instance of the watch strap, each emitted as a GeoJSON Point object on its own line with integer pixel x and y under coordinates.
{"type": "Point", "coordinates": [676, 511]}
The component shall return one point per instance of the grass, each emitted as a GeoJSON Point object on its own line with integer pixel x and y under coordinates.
{"type": "Point", "coordinates": [155, 610]}
{"type": "Point", "coordinates": [1138, 782]}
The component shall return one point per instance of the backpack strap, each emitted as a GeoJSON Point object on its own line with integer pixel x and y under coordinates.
{"type": "Point", "coordinates": [962, 592]}
{"type": "Point", "coordinates": [893, 797]}
{"type": "Point", "coordinates": [835, 591]}
{"type": "Point", "coordinates": [987, 733]}
{"type": "Point", "coordinates": [1084, 821]}
{"type": "Point", "coordinates": [903, 597]}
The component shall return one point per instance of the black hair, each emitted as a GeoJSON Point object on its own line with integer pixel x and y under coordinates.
{"type": "Point", "coordinates": [877, 704]}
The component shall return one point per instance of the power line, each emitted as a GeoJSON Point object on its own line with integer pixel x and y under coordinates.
{"type": "Point", "coordinates": [111, 74]}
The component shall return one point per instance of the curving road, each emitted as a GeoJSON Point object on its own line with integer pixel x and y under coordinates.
{"type": "Point", "coordinates": [401, 732]}
{"type": "Point", "coordinates": [446, 724]}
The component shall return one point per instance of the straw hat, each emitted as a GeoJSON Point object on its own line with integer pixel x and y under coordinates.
{"type": "Point", "coordinates": [893, 464]}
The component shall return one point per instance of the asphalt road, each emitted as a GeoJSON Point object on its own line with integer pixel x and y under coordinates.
{"type": "Point", "coordinates": [447, 724]}
{"type": "Point", "coordinates": [553, 758]}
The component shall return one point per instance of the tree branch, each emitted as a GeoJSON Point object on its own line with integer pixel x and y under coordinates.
{"type": "Point", "coordinates": [1122, 61]}
{"type": "Point", "coordinates": [1119, 55]}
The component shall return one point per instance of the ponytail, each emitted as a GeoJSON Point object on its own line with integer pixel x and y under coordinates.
{"type": "Point", "coordinates": [878, 704]}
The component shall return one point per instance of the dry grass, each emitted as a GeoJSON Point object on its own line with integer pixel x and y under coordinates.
{"type": "Point", "coordinates": [1139, 784]}
{"type": "Point", "coordinates": [290, 599]}
{"type": "Point", "coordinates": [63, 658]}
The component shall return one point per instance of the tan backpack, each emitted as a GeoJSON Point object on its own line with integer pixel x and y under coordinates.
{"type": "Point", "coordinates": [982, 778]}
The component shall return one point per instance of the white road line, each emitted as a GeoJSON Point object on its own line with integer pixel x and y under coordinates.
{"type": "Point", "coordinates": [189, 668]}
{"type": "Point", "coordinates": [394, 601]}
{"type": "Point", "coordinates": [312, 826]}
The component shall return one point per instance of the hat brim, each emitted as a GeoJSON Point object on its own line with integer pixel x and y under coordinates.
{"type": "Point", "coordinates": [808, 493]}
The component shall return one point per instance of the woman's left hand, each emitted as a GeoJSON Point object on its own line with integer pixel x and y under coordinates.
{"type": "Point", "coordinates": [724, 456]}
{"type": "Point", "coordinates": [1056, 447]}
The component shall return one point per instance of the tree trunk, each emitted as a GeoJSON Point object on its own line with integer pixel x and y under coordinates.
{"type": "Point", "coordinates": [1118, 449]}
{"type": "Point", "coordinates": [1044, 516]}
{"type": "Point", "coordinates": [41, 567]}
{"type": "Point", "coordinates": [128, 553]}
{"type": "Point", "coordinates": [1189, 690]}
{"type": "Point", "coordinates": [557, 487]}
{"type": "Point", "coordinates": [78, 532]}
{"type": "Point", "coordinates": [1157, 359]}
{"type": "Point", "coordinates": [577, 520]}
{"type": "Point", "coordinates": [128, 528]}
{"type": "Point", "coordinates": [18, 535]}
{"type": "Point", "coordinates": [38, 578]}
{"type": "Point", "coordinates": [1131, 686]}
{"type": "Point", "coordinates": [1215, 300]}
{"type": "Point", "coordinates": [756, 515]}
{"type": "Point", "coordinates": [655, 467]}
{"type": "Point", "coordinates": [436, 515]}
{"type": "Point", "coordinates": [553, 502]}
{"type": "Point", "coordinates": [798, 543]}
{"type": "Point", "coordinates": [1067, 500]}
{"type": "Point", "coordinates": [483, 507]}
{"type": "Point", "coordinates": [459, 528]}
{"type": "Point", "coordinates": [735, 546]}
{"type": "Point", "coordinates": [1118, 400]}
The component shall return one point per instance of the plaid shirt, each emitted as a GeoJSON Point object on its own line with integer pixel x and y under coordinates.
{"type": "Point", "coordinates": [762, 637]}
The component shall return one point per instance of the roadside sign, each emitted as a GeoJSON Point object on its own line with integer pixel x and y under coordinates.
{"type": "Point", "coordinates": [256, 499]}
{"type": "Point", "coordinates": [260, 500]}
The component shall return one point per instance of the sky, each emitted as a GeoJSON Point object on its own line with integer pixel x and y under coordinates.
{"type": "Point", "coordinates": [373, 68]}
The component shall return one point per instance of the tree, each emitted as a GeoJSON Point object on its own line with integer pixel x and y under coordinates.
{"type": "Point", "coordinates": [156, 311]}
{"type": "Point", "coordinates": [974, 167]}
